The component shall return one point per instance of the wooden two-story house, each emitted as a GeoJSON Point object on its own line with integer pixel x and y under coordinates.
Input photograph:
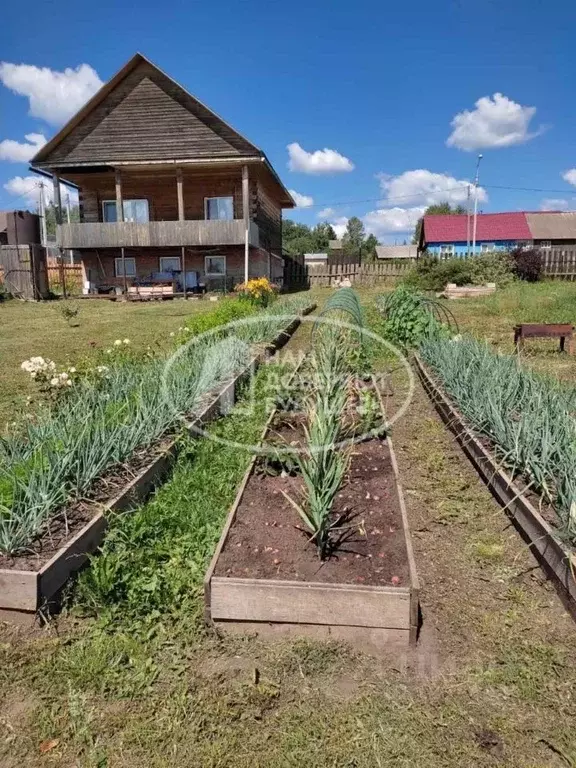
{"type": "Point", "coordinates": [167, 189]}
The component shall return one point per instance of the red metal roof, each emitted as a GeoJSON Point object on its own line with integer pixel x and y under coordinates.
{"type": "Point", "coordinates": [452, 227]}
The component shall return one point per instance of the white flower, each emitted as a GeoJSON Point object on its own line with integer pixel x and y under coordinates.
{"type": "Point", "coordinates": [55, 382]}
{"type": "Point", "coordinates": [33, 374]}
{"type": "Point", "coordinates": [64, 376]}
{"type": "Point", "coordinates": [172, 333]}
{"type": "Point", "coordinates": [108, 351]}
{"type": "Point", "coordinates": [102, 368]}
{"type": "Point", "coordinates": [126, 341]}
{"type": "Point", "coordinates": [72, 370]}
{"type": "Point", "coordinates": [117, 343]}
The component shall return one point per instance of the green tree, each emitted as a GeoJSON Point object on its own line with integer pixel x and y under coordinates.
{"type": "Point", "coordinates": [50, 214]}
{"type": "Point", "coordinates": [354, 236]}
{"type": "Point", "coordinates": [369, 248]}
{"type": "Point", "coordinates": [437, 208]}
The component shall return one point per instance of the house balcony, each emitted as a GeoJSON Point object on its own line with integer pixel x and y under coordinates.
{"type": "Point", "coordinates": [159, 234]}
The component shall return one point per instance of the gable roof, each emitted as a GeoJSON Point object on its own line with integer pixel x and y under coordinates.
{"type": "Point", "coordinates": [143, 114]}
{"type": "Point", "coordinates": [453, 227]}
{"type": "Point", "coordinates": [552, 225]}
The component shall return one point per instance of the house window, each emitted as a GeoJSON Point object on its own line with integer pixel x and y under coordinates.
{"type": "Point", "coordinates": [546, 244]}
{"type": "Point", "coordinates": [215, 266]}
{"type": "Point", "coordinates": [487, 247]}
{"type": "Point", "coordinates": [219, 208]}
{"type": "Point", "coordinates": [170, 264]}
{"type": "Point", "coordinates": [134, 210]}
{"type": "Point", "coordinates": [446, 251]}
{"type": "Point", "coordinates": [130, 263]}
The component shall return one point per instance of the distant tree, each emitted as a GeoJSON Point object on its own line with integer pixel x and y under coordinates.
{"type": "Point", "coordinates": [369, 248]}
{"type": "Point", "coordinates": [321, 236]}
{"type": "Point", "coordinates": [437, 208]}
{"type": "Point", "coordinates": [300, 238]}
{"type": "Point", "coordinates": [50, 214]}
{"type": "Point", "coordinates": [354, 236]}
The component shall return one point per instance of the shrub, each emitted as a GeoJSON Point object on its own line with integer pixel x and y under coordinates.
{"type": "Point", "coordinates": [432, 274]}
{"type": "Point", "coordinates": [409, 317]}
{"type": "Point", "coordinates": [527, 264]}
{"type": "Point", "coordinates": [494, 267]}
{"type": "Point", "coordinates": [259, 291]}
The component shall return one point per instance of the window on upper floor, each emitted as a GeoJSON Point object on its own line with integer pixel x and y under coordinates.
{"type": "Point", "coordinates": [134, 210]}
{"type": "Point", "coordinates": [219, 208]}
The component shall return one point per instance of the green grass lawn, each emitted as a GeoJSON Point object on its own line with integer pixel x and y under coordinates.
{"type": "Point", "coordinates": [30, 329]}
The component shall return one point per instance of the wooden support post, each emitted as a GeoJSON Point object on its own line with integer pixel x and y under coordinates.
{"type": "Point", "coordinates": [246, 216]}
{"type": "Point", "coordinates": [184, 270]}
{"type": "Point", "coordinates": [180, 190]}
{"type": "Point", "coordinates": [58, 211]}
{"type": "Point", "coordinates": [124, 272]}
{"type": "Point", "coordinates": [119, 200]}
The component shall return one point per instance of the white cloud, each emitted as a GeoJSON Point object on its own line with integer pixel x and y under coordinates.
{"type": "Point", "coordinates": [496, 122]}
{"type": "Point", "coordinates": [28, 188]}
{"type": "Point", "coordinates": [339, 226]}
{"type": "Point", "coordinates": [320, 161]}
{"type": "Point", "coordinates": [302, 201]}
{"type": "Point", "coordinates": [326, 213]}
{"type": "Point", "coordinates": [53, 96]}
{"type": "Point", "coordinates": [554, 204]}
{"type": "Point", "coordinates": [16, 152]}
{"type": "Point", "coordinates": [570, 176]}
{"type": "Point", "coordinates": [423, 187]}
{"type": "Point", "coordinates": [387, 221]}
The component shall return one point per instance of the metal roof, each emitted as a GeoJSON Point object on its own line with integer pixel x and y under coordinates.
{"type": "Point", "coordinates": [552, 225]}
{"type": "Point", "coordinates": [453, 227]}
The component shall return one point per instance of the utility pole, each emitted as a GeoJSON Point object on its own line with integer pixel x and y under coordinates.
{"type": "Point", "coordinates": [44, 235]}
{"type": "Point", "coordinates": [468, 222]}
{"type": "Point", "coordinates": [475, 205]}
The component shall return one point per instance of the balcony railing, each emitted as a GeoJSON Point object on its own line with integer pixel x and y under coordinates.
{"type": "Point", "coordinates": [127, 234]}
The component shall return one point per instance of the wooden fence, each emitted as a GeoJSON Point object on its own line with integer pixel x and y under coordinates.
{"type": "Point", "coordinates": [331, 274]}
{"type": "Point", "coordinates": [64, 279]}
{"type": "Point", "coordinates": [559, 263]}
{"type": "Point", "coordinates": [23, 271]}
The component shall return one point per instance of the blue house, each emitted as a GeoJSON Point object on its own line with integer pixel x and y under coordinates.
{"type": "Point", "coordinates": [447, 235]}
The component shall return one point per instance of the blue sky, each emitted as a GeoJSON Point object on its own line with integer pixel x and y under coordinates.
{"type": "Point", "coordinates": [379, 84]}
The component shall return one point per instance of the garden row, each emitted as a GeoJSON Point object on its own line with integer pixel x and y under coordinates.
{"type": "Point", "coordinates": [106, 436]}
{"type": "Point", "coordinates": [516, 426]}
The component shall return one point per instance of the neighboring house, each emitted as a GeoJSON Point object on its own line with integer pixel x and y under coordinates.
{"type": "Point", "coordinates": [311, 259]}
{"type": "Point", "coordinates": [447, 235]}
{"type": "Point", "coordinates": [19, 228]}
{"type": "Point", "coordinates": [167, 189]}
{"type": "Point", "coordinates": [396, 251]}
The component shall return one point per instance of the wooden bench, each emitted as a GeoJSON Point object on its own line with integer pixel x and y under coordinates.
{"type": "Point", "coordinates": [560, 331]}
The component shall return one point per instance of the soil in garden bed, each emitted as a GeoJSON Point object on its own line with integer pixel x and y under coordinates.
{"type": "Point", "coordinates": [267, 541]}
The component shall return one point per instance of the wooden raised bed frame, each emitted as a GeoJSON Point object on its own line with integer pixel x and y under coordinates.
{"type": "Point", "coordinates": [556, 561]}
{"type": "Point", "coordinates": [375, 619]}
{"type": "Point", "coordinates": [25, 593]}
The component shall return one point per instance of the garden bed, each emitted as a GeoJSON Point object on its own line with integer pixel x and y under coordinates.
{"type": "Point", "coordinates": [266, 577]}
{"type": "Point", "coordinates": [552, 554]}
{"type": "Point", "coordinates": [30, 583]}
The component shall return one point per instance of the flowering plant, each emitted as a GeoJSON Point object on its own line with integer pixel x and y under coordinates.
{"type": "Point", "coordinates": [259, 291]}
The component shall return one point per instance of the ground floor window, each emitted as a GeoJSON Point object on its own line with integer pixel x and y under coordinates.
{"type": "Point", "coordinates": [487, 247]}
{"type": "Point", "coordinates": [446, 251]}
{"type": "Point", "coordinates": [170, 264]}
{"type": "Point", "coordinates": [130, 263]}
{"type": "Point", "coordinates": [215, 265]}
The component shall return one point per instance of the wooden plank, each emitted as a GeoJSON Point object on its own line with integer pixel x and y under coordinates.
{"type": "Point", "coordinates": [18, 589]}
{"type": "Point", "coordinates": [375, 641]}
{"type": "Point", "coordinates": [540, 537]}
{"type": "Point", "coordinates": [309, 603]}
{"type": "Point", "coordinates": [180, 193]}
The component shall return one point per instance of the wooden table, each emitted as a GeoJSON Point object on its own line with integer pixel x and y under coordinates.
{"type": "Point", "coordinates": [560, 331]}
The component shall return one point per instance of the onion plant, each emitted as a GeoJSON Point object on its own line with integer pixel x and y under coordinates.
{"type": "Point", "coordinates": [530, 419]}
{"type": "Point", "coordinates": [57, 456]}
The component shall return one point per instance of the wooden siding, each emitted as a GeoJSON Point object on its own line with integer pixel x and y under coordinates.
{"type": "Point", "coordinates": [160, 189]}
{"type": "Point", "coordinates": [268, 216]}
{"type": "Point", "coordinates": [155, 233]}
{"type": "Point", "coordinates": [148, 116]}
